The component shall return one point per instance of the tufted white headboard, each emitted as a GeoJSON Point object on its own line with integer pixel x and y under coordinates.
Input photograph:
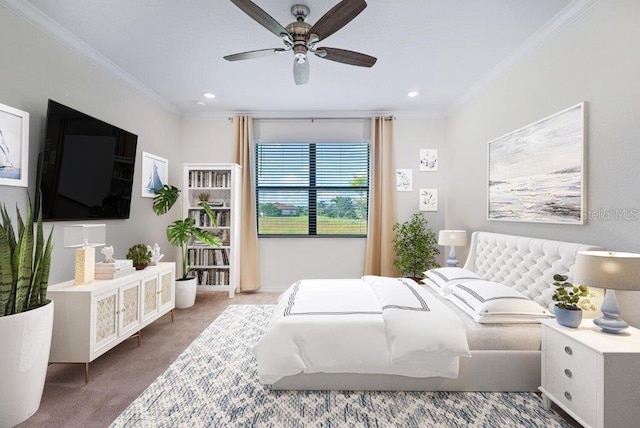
{"type": "Point", "coordinates": [526, 264]}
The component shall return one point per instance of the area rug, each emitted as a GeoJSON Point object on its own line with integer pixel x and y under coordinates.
{"type": "Point", "coordinates": [214, 383]}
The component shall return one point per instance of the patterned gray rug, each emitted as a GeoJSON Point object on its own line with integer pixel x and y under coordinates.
{"type": "Point", "coordinates": [214, 383]}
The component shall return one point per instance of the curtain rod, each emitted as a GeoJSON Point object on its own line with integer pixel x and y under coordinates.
{"type": "Point", "coordinates": [312, 119]}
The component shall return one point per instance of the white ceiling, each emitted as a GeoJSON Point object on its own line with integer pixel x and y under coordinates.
{"type": "Point", "coordinates": [441, 48]}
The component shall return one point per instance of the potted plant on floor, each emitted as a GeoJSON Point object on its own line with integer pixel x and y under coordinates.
{"type": "Point", "coordinates": [571, 300]}
{"type": "Point", "coordinates": [180, 233]}
{"type": "Point", "coordinates": [26, 316]}
{"type": "Point", "coordinates": [415, 246]}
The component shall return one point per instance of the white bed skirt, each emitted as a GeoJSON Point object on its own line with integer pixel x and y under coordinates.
{"type": "Point", "coordinates": [509, 371]}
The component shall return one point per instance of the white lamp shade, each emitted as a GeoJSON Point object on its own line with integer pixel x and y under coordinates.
{"type": "Point", "coordinates": [84, 235]}
{"type": "Point", "coordinates": [605, 269]}
{"type": "Point", "coordinates": [454, 238]}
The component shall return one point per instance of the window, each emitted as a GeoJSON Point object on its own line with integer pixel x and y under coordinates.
{"type": "Point", "coordinates": [312, 189]}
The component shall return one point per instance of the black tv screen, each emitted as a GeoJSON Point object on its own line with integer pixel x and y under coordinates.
{"type": "Point", "coordinates": [86, 169]}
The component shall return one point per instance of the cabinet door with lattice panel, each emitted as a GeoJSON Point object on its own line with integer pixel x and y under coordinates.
{"type": "Point", "coordinates": [150, 291]}
{"type": "Point", "coordinates": [167, 281]}
{"type": "Point", "coordinates": [104, 320]}
{"type": "Point", "coordinates": [129, 315]}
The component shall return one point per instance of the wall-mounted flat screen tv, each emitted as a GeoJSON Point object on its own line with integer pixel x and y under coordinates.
{"type": "Point", "coordinates": [86, 168]}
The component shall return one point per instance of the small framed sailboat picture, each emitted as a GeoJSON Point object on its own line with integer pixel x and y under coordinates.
{"type": "Point", "coordinates": [155, 174]}
{"type": "Point", "coordinates": [14, 146]}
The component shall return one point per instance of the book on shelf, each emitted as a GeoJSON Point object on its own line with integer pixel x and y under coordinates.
{"type": "Point", "coordinates": [113, 267]}
{"type": "Point", "coordinates": [116, 274]}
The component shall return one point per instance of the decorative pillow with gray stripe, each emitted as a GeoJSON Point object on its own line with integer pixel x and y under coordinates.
{"type": "Point", "coordinates": [438, 278]}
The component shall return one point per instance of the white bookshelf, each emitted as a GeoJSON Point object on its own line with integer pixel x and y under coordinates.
{"type": "Point", "coordinates": [217, 269]}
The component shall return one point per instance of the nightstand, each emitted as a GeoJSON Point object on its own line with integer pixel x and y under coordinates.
{"type": "Point", "coordinates": [593, 376]}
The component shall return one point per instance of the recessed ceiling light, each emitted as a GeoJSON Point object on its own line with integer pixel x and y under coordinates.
{"type": "Point", "coordinates": [209, 95]}
{"type": "Point", "coordinates": [413, 94]}
{"type": "Point", "coordinates": [201, 103]}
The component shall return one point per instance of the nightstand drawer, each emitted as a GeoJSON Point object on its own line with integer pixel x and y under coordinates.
{"type": "Point", "coordinates": [570, 374]}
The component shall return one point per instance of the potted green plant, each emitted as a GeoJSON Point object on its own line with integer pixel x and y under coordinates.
{"type": "Point", "coordinates": [570, 300]}
{"type": "Point", "coordinates": [26, 316]}
{"type": "Point", "coordinates": [181, 233]}
{"type": "Point", "coordinates": [415, 246]}
{"type": "Point", "coordinates": [140, 255]}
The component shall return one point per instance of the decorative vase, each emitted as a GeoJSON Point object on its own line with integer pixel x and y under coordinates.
{"type": "Point", "coordinates": [26, 342]}
{"type": "Point", "coordinates": [186, 292]}
{"type": "Point", "coordinates": [568, 317]}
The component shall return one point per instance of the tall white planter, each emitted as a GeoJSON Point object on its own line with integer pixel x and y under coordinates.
{"type": "Point", "coordinates": [25, 339]}
{"type": "Point", "coordinates": [186, 292]}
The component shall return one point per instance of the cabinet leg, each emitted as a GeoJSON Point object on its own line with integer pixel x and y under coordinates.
{"type": "Point", "coordinates": [171, 312]}
{"type": "Point", "coordinates": [86, 373]}
{"type": "Point", "coordinates": [546, 403]}
{"type": "Point", "coordinates": [139, 338]}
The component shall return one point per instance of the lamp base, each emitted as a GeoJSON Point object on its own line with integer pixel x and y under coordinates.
{"type": "Point", "coordinates": [452, 261]}
{"type": "Point", "coordinates": [609, 322]}
{"type": "Point", "coordinates": [85, 265]}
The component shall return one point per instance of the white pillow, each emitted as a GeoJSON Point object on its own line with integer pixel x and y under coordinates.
{"type": "Point", "coordinates": [492, 302]}
{"type": "Point", "coordinates": [440, 277]}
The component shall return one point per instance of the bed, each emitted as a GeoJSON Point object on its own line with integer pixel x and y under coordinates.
{"type": "Point", "coordinates": [298, 350]}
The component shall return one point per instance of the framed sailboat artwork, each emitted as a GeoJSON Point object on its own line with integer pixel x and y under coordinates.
{"type": "Point", "coordinates": [155, 174]}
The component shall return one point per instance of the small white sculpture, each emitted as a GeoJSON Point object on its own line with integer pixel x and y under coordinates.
{"type": "Point", "coordinates": [108, 254]}
{"type": "Point", "coordinates": [155, 253]}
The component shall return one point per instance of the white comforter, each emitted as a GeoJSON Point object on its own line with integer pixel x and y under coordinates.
{"type": "Point", "coordinates": [368, 325]}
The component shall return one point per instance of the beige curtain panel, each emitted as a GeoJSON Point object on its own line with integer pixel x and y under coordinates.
{"type": "Point", "coordinates": [249, 266]}
{"type": "Point", "coordinates": [382, 201]}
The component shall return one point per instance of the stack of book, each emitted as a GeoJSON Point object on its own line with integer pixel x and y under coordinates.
{"type": "Point", "coordinates": [117, 269]}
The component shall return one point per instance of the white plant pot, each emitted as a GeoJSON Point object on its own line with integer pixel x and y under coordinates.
{"type": "Point", "coordinates": [186, 292]}
{"type": "Point", "coordinates": [26, 341]}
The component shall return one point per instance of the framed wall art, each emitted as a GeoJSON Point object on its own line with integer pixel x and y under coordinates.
{"type": "Point", "coordinates": [428, 159]}
{"type": "Point", "coordinates": [404, 180]}
{"type": "Point", "coordinates": [155, 174]}
{"type": "Point", "coordinates": [536, 174]}
{"type": "Point", "coordinates": [428, 200]}
{"type": "Point", "coordinates": [14, 146]}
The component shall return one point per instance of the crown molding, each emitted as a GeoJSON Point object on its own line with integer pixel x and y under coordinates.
{"type": "Point", "coordinates": [564, 18]}
{"type": "Point", "coordinates": [341, 114]}
{"type": "Point", "coordinates": [66, 38]}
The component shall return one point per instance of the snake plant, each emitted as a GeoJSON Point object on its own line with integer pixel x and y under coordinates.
{"type": "Point", "coordinates": [24, 264]}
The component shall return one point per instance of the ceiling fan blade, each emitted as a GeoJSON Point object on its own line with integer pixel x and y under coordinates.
{"type": "Point", "coordinates": [339, 16]}
{"type": "Point", "coordinates": [260, 16]}
{"type": "Point", "coordinates": [346, 57]}
{"type": "Point", "coordinates": [301, 71]}
{"type": "Point", "coordinates": [253, 54]}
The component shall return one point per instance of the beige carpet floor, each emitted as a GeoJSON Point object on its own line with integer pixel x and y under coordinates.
{"type": "Point", "coordinates": [123, 373]}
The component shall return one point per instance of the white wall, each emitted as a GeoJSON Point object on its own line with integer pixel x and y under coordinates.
{"type": "Point", "coordinates": [285, 260]}
{"type": "Point", "coordinates": [597, 60]}
{"type": "Point", "coordinates": [36, 68]}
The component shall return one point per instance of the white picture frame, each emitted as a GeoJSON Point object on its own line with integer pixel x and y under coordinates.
{"type": "Point", "coordinates": [428, 200]}
{"type": "Point", "coordinates": [14, 147]}
{"type": "Point", "coordinates": [155, 173]}
{"type": "Point", "coordinates": [404, 180]}
{"type": "Point", "coordinates": [429, 160]}
{"type": "Point", "coordinates": [537, 173]}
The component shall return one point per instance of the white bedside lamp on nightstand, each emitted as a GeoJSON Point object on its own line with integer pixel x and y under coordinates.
{"type": "Point", "coordinates": [84, 238]}
{"type": "Point", "coordinates": [613, 271]}
{"type": "Point", "coordinates": [453, 238]}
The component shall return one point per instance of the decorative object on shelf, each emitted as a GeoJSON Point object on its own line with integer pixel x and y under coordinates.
{"type": "Point", "coordinates": [114, 269]}
{"type": "Point", "coordinates": [26, 316]}
{"type": "Point", "coordinates": [84, 238]}
{"type": "Point", "coordinates": [155, 253]}
{"type": "Point", "coordinates": [414, 244]}
{"type": "Point", "coordinates": [613, 271]}
{"type": "Point", "coordinates": [571, 300]}
{"type": "Point", "coordinates": [155, 174]}
{"type": "Point", "coordinates": [139, 255]}
{"type": "Point", "coordinates": [108, 254]}
{"type": "Point", "coordinates": [14, 146]}
{"type": "Point", "coordinates": [428, 200]}
{"type": "Point", "coordinates": [428, 160]}
{"type": "Point", "coordinates": [404, 180]}
{"type": "Point", "coordinates": [542, 162]}
{"type": "Point", "coordinates": [202, 197]}
{"type": "Point", "coordinates": [452, 238]}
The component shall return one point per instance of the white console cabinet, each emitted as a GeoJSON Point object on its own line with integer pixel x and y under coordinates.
{"type": "Point", "coordinates": [91, 319]}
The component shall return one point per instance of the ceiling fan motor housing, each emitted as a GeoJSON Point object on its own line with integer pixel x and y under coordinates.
{"type": "Point", "coordinates": [298, 31]}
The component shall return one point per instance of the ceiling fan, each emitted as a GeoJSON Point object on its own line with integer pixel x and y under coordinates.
{"type": "Point", "coordinates": [303, 38]}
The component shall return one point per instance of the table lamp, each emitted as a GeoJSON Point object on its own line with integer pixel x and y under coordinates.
{"type": "Point", "coordinates": [613, 271]}
{"type": "Point", "coordinates": [84, 238]}
{"type": "Point", "coordinates": [453, 238]}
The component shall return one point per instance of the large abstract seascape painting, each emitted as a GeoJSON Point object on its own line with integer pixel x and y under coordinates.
{"type": "Point", "coordinates": [536, 174]}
